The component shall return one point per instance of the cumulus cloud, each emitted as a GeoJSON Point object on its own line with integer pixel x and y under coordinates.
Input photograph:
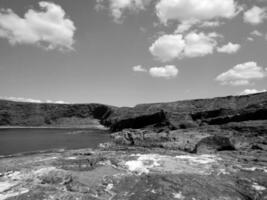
{"type": "Point", "coordinates": [186, 10]}
{"type": "Point", "coordinates": [168, 71]}
{"type": "Point", "coordinates": [118, 7]}
{"type": "Point", "coordinates": [229, 48]}
{"type": "Point", "coordinates": [255, 15]}
{"type": "Point", "coordinates": [139, 68]}
{"type": "Point", "coordinates": [29, 100]}
{"type": "Point", "coordinates": [49, 27]}
{"type": "Point", "coordinates": [242, 74]}
{"type": "Point", "coordinates": [199, 44]}
{"type": "Point", "coordinates": [251, 91]}
{"type": "Point", "coordinates": [256, 33]}
{"type": "Point", "coordinates": [169, 47]}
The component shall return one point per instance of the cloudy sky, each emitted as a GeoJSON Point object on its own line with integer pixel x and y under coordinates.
{"type": "Point", "coordinates": [125, 52]}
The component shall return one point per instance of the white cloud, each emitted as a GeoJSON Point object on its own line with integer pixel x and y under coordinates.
{"type": "Point", "coordinates": [185, 26]}
{"type": "Point", "coordinates": [251, 91]}
{"type": "Point", "coordinates": [256, 33]}
{"type": "Point", "coordinates": [255, 15]}
{"type": "Point", "coordinates": [229, 48]}
{"type": "Point", "coordinates": [184, 10]}
{"type": "Point", "coordinates": [118, 7]}
{"type": "Point", "coordinates": [49, 27]}
{"type": "Point", "coordinates": [168, 71]}
{"type": "Point", "coordinates": [29, 100]}
{"type": "Point", "coordinates": [169, 47]}
{"type": "Point", "coordinates": [210, 24]}
{"type": "Point", "coordinates": [139, 68]}
{"type": "Point", "coordinates": [199, 44]}
{"type": "Point", "coordinates": [242, 74]}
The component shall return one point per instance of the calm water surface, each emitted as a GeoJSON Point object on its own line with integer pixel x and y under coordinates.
{"type": "Point", "coordinates": [13, 141]}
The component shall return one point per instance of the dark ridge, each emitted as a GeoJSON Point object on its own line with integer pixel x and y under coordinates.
{"type": "Point", "coordinates": [172, 115]}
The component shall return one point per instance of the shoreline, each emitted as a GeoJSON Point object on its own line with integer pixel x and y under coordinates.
{"type": "Point", "coordinates": [99, 127]}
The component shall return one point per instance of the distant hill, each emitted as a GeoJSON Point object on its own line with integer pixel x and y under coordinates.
{"type": "Point", "coordinates": [172, 115]}
{"type": "Point", "coordinates": [43, 114]}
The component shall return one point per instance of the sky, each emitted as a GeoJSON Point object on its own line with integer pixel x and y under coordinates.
{"type": "Point", "coordinates": [127, 52]}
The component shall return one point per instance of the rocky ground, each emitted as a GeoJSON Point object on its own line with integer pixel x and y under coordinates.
{"type": "Point", "coordinates": [134, 173]}
{"type": "Point", "coordinates": [205, 149]}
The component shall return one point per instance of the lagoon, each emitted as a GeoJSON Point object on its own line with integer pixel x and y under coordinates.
{"type": "Point", "coordinates": [25, 140]}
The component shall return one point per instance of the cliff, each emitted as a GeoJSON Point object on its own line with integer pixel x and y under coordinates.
{"type": "Point", "coordinates": [191, 113]}
{"type": "Point", "coordinates": [34, 114]}
{"type": "Point", "coordinates": [158, 116]}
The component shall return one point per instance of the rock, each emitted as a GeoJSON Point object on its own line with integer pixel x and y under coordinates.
{"type": "Point", "coordinates": [53, 176]}
{"type": "Point", "coordinates": [135, 174]}
{"type": "Point", "coordinates": [212, 144]}
{"type": "Point", "coordinates": [139, 121]}
{"type": "Point", "coordinates": [172, 140]}
{"type": "Point", "coordinates": [157, 116]}
{"type": "Point", "coordinates": [259, 147]}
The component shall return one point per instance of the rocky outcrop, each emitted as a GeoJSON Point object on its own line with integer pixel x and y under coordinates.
{"type": "Point", "coordinates": [219, 110]}
{"type": "Point", "coordinates": [223, 116]}
{"type": "Point", "coordinates": [192, 141]}
{"type": "Point", "coordinates": [213, 144]}
{"type": "Point", "coordinates": [158, 116]}
{"type": "Point", "coordinates": [133, 175]}
{"type": "Point", "coordinates": [34, 114]}
{"type": "Point", "coordinates": [192, 113]}
{"type": "Point", "coordinates": [140, 121]}
{"type": "Point", "coordinates": [207, 139]}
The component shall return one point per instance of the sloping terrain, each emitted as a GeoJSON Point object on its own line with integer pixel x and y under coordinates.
{"type": "Point", "coordinates": [192, 113]}
{"type": "Point", "coordinates": [173, 115]}
{"type": "Point", "coordinates": [34, 114]}
{"type": "Point", "coordinates": [133, 175]}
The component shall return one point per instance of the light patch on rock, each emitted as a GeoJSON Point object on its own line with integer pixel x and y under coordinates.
{"type": "Point", "coordinates": [14, 176]}
{"type": "Point", "coordinates": [258, 187]}
{"type": "Point", "coordinates": [146, 163]}
{"type": "Point", "coordinates": [9, 194]}
{"type": "Point", "coordinates": [255, 168]}
{"type": "Point", "coordinates": [43, 171]}
{"type": "Point", "coordinates": [109, 187]}
{"type": "Point", "coordinates": [71, 158]}
{"type": "Point", "coordinates": [46, 159]}
{"type": "Point", "coordinates": [4, 186]}
{"type": "Point", "coordinates": [178, 195]}
{"type": "Point", "coordinates": [201, 159]}
{"type": "Point", "coordinates": [223, 171]}
{"type": "Point", "coordinates": [109, 191]}
{"type": "Point", "coordinates": [142, 164]}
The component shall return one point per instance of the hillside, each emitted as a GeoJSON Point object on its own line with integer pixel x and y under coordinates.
{"type": "Point", "coordinates": [173, 115]}
{"type": "Point", "coordinates": [34, 114]}
{"type": "Point", "coordinates": [191, 113]}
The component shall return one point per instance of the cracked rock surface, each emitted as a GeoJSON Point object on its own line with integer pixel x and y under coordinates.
{"type": "Point", "coordinates": [133, 174]}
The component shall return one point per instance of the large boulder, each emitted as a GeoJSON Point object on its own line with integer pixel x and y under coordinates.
{"type": "Point", "coordinates": [212, 144]}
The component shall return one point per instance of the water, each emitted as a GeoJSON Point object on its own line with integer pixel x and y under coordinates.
{"type": "Point", "coordinates": [13, 141]}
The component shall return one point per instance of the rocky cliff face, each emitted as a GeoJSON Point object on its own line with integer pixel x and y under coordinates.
{"type": "Point", "coordinates": [33, 114]}
{"type": "Point", "coordinates": [191, 113]}
{"type": "Point", "coordinates": [158, 116]}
